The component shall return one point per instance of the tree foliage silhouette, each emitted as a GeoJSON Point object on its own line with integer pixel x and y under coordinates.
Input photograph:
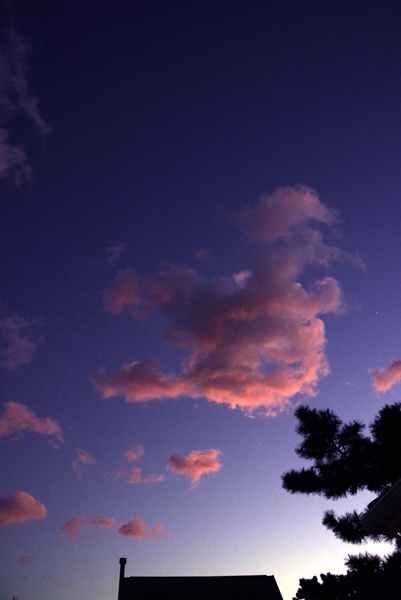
{"type": "Point", "coordinates": [346, 461]}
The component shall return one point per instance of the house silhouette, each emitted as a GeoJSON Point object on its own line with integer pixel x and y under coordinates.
{"type": "Point", "coordinates": [233, 587]}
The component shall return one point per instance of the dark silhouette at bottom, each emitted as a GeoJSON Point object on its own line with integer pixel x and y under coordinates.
{"type": "Point", "coordinates": [233, 587]}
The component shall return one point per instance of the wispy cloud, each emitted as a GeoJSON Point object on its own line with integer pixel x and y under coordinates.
{"type": "Point", "coordinates": [136, 529]}
{"type": "Point", "coordinates": [19, 508]}
{"type": "Point", "coordinates": [82, 460]}
{"type": "Point", "coordinates": [384, 378]}
{"type": "Point", "coordinates": [23, 560]}
{"type": "Point", "coordinates": [17, 418]}
{"type": "Point", "coordinates": [255, 339]}
{"type": "Point", "coordinates": [113, 253]}
{"type": "Point", "coordinates": [18, 341]}
{"type": "Point", "coordinates": [135, 452]}
{"type": "Point", "coordinates": [16, 98]}
{"type": "Point", "coordinates": [196, 464]}
{"type": "Point", "coordinates": [153, 478]}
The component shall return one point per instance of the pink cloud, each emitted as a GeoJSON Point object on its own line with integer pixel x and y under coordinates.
{"type": "Point", "coordinates": [81, 461]}
{"type": "Point", "coordinates": [253, 340]}
{"type": "Point", "coordinates": [134, 453]}
{"type": "Point", "coordinates": [202, 254]}
{"type": "Point", "coordinates": [196, 464]}
{"type": "Point", "coordinates": [103, 522]}
{"type": "Point", "coordinates": [18, 418]}
{"type": "Point", "coordinates": [73, 527]}
{"type": "Point", "coordinates": [154, 478]}
{"type": "Point", "coordinates": [23, 560]}
{"type": "Point", "coordinates": [17, 339]}
{"type": "Point", "coordinates": [19, 508]}
{"type": "Point", "coordinates": [134, 476]}
{"type": "Point", "coordinates": [136, 529]}
{"type": "Point", "coordinates": [384, 379]}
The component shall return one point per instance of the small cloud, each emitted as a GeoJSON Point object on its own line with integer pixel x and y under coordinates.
{"type": "Point", "coordinates": [134, 453]}
{"type": "Point", "coordinates": [17, 339]}
{"type": "Point", "coordinates": [103, 523]}
{"type": "Point", "coordinates": [48, 578]}
{"type": "Point", "coordinates": [383, 379]}
{"type": "Point", "coordinates": [113, 253]}
{"type": "Point", "coordinates": [134, 476]}
{"type": "Point", "coordinates": [202, 254]}
{"type": "Point", "coordinates": [73, 527]}
{"type": "Point", "coordinates": [23, 560]}
{"type": "Point", "coordinates": [155, 478]}
{"type": "Point", "coordinates": [82, 460]}
{"type": "Point", "coordinates": [19, 508]}
{"type": "Point", "coordinates": [196, 464]}
{"type": "Point", "coordinates": [18, 418]}
{"type": "Point", "coordinates": [136, 529]}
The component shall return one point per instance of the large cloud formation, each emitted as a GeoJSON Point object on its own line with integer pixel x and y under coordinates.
{"type": "Point", "coordinates": [18, 418]}
{"type": "Point", "coordinates": [255, 339]}
{"type": "Point", "coordinates": [196, 464]}
{"type": "Point", "coordinates": [383, 379]}
{"type": "Point", "coordinates": [19, 508]}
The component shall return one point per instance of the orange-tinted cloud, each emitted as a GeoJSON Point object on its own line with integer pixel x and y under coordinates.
{"type": "Point", "coordinates": [134, 453]}
{"type": "Point", "coordinates": [18, 418]}
{"type": "Point", "coordinates": [19, 508]}
{"type": "Point", "coordinates": [384, 379]}
{"type": "Point", "coordinates": [23, 560]}
{"type": "Point", "coordinates": [155, 478]}
{"type": "Point", "coordinates": [196, 464]}
{"type": "Point", "coordinates": [81, 461]}
{"type": "Point", "coordinates": [136, 529]}
{"type": "Point", "coordinates": [255, 339]}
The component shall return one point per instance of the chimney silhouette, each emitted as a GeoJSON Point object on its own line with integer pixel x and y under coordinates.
{"type": "Point", "coordinates": [123, 562]}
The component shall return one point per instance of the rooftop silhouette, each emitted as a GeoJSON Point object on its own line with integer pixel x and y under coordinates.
{"type": "Point", "coordinates": [232, 587]}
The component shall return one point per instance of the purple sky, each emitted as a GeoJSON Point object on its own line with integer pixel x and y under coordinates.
{"type": "Point", "coordinates": [201, 229]}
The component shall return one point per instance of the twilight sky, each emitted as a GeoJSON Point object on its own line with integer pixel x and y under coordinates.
{"type": "Point", "coordinates": [201, 217]}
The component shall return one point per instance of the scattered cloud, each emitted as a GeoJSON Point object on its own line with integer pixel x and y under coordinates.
{"type": "Point", "coordinates": [383, 379]}
{"type": "Point", "coordinates": [255, 339]}
{"type": "Point", "coordinates": [196, 464]}
{"type": "Point", "coordinates": [113, 253]}
{"type": "Point", "coordinates": [82, 460]}
{"type": "Point", "coordinates": [19, 508]}
{"type": "Point", "coordinates": [48, 578]}
{"type": "Point", "coordinates": [103, 523]}
{"type": "Point", "coordinates": [18, 418]}
{"type": "Point", "coordinates": [154, 478]}
{"type": "Point", "coordinates": [15, 99]}
{"type": "Point", "coordinates": [134, 453]}
{"type": "Point", "coordinates": [23, 560]}
{"type": "Point", "coordinates": [136, 529]}
{"type": "Point", "coordinates": [73, 527]}
{"type": "Point", "coordinates": [18, 341]}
